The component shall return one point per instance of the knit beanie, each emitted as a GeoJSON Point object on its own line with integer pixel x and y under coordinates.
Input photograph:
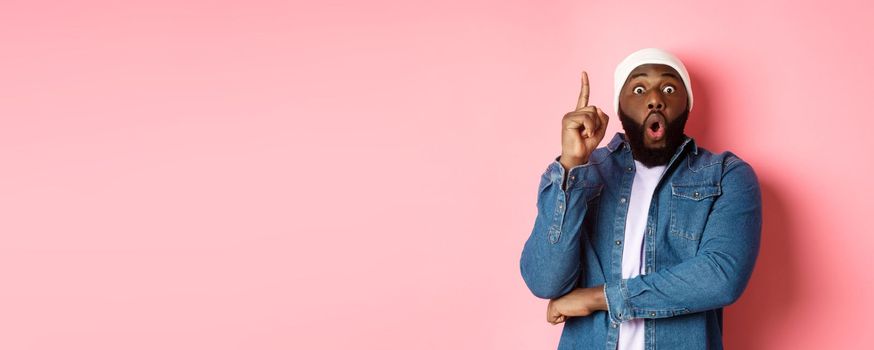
{"type": "Point", "coordinates": [648, 56]}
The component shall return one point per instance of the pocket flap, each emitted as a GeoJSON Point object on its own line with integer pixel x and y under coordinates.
{"type": "Point", "coordinates": [696, 192]}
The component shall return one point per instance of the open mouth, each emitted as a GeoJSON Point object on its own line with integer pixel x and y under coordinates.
{"type": "Point", "coordinates": [655, 127]}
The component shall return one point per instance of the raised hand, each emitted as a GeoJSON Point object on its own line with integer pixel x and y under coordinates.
{"type": "Point", "coordinates": [582, 130]}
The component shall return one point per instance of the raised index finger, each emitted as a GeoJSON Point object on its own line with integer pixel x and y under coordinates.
{"type": "Point", "coordinates": [584, 92]}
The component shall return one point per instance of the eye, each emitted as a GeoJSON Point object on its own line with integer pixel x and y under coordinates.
{"type": "Point", "coordinates": [638, 90]}
{"type": "Point", "coordinates": [669, 89]}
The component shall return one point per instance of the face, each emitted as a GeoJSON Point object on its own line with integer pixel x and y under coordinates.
{"type": "Point", "coordinates": [653, 111]}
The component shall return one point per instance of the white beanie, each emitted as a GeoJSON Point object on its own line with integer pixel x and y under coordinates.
{"type": "Point", "coordinates": [648, 56]}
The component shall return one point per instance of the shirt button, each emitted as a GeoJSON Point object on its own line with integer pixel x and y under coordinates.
{"type": "Point", "coordinates": [618, 242]}
{"type": "Point", "coordinates": [652, 314]}
{"type": "Point", "coordinates": [696, 194]}
{"type": "Point", "coordinates": [613, 325]}
{"type": "Point", "coordinates": [572, 177]}
{"type": "Point", "coordinates": [628, 169]}
{"type": "Point", "coordinates": [622, 199]}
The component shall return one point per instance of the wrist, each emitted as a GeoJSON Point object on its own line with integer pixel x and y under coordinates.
{"type": "Point", "coordinates": [599, 300]}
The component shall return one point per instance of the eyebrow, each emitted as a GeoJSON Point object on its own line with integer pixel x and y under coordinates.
{"type": "Point", "coordinates": [665, 74]}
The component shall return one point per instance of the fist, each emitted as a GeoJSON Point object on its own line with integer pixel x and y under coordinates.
{"type": "Point", "coordinates": [579, 302]}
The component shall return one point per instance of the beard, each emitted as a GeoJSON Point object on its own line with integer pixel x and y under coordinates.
{"type": "Point", "coordinates": [651, 157]}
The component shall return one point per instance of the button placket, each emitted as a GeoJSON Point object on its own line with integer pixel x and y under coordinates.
{"type": "Point", "coordinates": [559, 206]}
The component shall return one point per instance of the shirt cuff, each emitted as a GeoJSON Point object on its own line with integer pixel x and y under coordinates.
{"type": "Point", "coordinates": [618, 308]}
{"type": "Point", "coordinates": [566, 179]}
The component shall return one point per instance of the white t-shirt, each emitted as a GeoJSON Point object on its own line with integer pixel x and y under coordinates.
{"type": "Point", "coordinates": [631, 333]}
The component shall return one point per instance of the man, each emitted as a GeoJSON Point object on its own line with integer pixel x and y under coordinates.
{"type": "Point", "coordinates": [640, 244]}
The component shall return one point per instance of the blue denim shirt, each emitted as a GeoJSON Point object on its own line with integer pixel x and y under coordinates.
{"type": "Point", "coordinates": [702, 239]}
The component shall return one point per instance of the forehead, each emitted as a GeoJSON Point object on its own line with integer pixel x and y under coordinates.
{"type": "Point", "coordinates": [658, 69]}
{"type": "Point", "coordinates": [656, 72]}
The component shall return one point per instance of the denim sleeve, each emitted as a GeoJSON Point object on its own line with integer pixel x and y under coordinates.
{"type": "Point", "coordinates": [550, 261]}
{"type": "Point", "coordinates": [714, 278]}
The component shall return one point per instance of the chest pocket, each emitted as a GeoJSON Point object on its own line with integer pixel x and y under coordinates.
{"type": "Point", "coordinates": [690, 207]}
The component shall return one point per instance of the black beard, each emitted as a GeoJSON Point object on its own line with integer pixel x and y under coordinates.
{"type": "Point", "coordinates": [651, 157]}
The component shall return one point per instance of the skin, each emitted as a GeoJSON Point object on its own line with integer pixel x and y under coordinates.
{"type": "Point", "coordinates": [650, 90]}
{"type": "Point", "coordinates": [581, 130]}
{"type": "Point", "coordinates": [579, 302]}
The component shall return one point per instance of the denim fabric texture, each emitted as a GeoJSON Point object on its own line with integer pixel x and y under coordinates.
{"type": "Point", "coordinates": [702, 238]}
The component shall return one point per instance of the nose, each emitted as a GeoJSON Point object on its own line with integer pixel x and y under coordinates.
{"type": "Point", "coordinates": [655, 103]}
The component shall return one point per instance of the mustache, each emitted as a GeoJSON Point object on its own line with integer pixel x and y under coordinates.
{"type": "Point", "coordinates": [655, 112]}
{"type": "Point", "coordinates": [634, 132]}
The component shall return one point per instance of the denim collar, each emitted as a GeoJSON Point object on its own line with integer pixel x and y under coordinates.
{"type": "Point", "coordinates": [619, 141]}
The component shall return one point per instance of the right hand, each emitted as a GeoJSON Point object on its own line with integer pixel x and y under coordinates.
{"type": "Point", "coordinates": [581, 130]}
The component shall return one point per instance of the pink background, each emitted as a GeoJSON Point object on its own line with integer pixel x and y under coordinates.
{"type": "Point", "coordinates": [341, 175]}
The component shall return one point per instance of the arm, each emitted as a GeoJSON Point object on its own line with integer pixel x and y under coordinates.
{"type": "Point", "coordinates": [714, 278]}
{"type": "Point", "coordinates": [579, 302]}
{"type": "Point", "coordinates": [550, 261]}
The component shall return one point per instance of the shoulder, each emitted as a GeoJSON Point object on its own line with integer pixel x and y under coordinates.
{"type": "Point", "coordinates": [599, 155]}
{"type": "Point", "coordinates": [602, 154]}
{"type": "Point", "coordinates": [732, 169]}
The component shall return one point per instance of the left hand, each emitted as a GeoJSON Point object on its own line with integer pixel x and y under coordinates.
{"type": "Point", "coordinates": [579, 302]}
